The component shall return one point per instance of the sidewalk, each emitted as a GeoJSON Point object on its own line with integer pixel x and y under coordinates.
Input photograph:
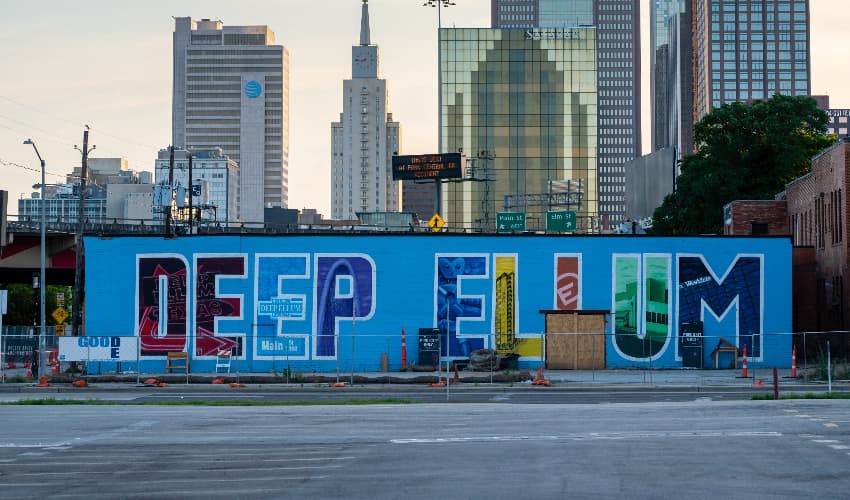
{"type": "Point", "coordinates": [560, 379]}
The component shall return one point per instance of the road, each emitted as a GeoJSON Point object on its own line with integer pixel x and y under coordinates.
{"type": "Point", "coordinates": [695, 449]}
{"type": "Point", "coordinates": [438, 395]}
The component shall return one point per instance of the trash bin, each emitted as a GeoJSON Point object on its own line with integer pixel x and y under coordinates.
{"type": "Point", "coordinates": [429, 347]}
{"type": "Point", "coordinates": [691, 344]}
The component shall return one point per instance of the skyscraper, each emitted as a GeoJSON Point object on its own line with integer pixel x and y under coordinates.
{"type": "Point", "coordinates": [231, 90]}
{"type": "Point", "coordinates": [540, 13]}
{"type": "Point", "coordinates": [617, 25]}
{"type": "Point", "coordinates": [364, 139]}
{"type": "Point", "coordinates": [527, 98]}
{"type": "Point", "coordinates": [661, 16]}
{"type": "Point", "coordinates": [746, 50]}
{"type": "Point", "coordinates": [672, 75]}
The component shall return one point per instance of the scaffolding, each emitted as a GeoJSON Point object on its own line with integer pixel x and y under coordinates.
{"type": "Point", "coordinates": [566, 194]}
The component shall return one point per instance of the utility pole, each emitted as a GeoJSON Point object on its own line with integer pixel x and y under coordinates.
{"type": "Point", "coordinates": [191, 193]}
{"type": "Point", "coordinates": [77, 307]}
{"type": "Point", "coordinates": [171, 191]}
{"type": "Point", "coordinates": [437, 184]}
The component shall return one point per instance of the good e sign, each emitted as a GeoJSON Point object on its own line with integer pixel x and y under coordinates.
{"type": "Point", "coordinates": [98, 348]}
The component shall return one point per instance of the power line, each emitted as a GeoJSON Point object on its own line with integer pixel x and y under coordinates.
{"type": "Point", "coordinates": [36, 170]}
{"type": "Point", "coordinates": [68, 121]}
{"type": "Point", "coordinates": [32, 127]}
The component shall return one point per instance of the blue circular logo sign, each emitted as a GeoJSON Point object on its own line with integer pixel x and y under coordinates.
{"type": "Point", "coordinates": [253, 89]}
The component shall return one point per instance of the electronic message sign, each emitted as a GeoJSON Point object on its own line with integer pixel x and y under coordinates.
{"type": "Point", "coordinates": [426, 167]}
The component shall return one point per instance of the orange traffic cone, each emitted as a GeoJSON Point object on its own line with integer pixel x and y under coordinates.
{"type": "Point", "coordinates": [794, 362]}
{"type": "Point", "coordinates": [744, 363]}
{"type": "Point", "coordinates": [42, 382]}
{"type": "Point", "coordinates": [539, 380]}
{"type": "Point", "coordinates": [403, 351]}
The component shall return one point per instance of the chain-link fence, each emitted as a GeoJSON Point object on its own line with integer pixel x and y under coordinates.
{"type": "Point", "coordinates": [19, 349]}
{"type": "Point", "coordinates": [294, 356]}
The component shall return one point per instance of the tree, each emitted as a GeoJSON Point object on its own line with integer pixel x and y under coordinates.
{"type": "Point", "coordinates": [21, 310]}
{"type": "Point", "coordinates": [745, 152]}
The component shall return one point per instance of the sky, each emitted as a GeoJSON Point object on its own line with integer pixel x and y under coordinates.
{"type": "Point", "coordinates": [107, 64]}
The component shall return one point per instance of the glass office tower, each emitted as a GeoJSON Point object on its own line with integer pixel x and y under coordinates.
{"type": "Point", "coordinates": [618, 75]}
{"type": "Point", "coordinates": [747, 50]}
{"type": "Point", "coordinates": [523, 104]}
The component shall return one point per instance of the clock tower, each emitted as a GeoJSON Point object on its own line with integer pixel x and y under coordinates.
{"type": "Point", "coordinates": [364, 57]}
{"type": "Point", "coordinates": [364, 139]}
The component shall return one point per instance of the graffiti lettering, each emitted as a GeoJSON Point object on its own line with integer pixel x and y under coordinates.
{"type": "Point", "coordinates": [453, 305]}
{"type": "Point", "coordinates": [345, 290]}
{"type": "Point", "coordinates": [740, 287]}
{"type": "Point", "coordinates": [277, 309]}
{"type": "Point", "coordinates": [567, 282]}
{"type": "Point", "coordinates": [161, 303]}
{"type": "Point", "coordinates": [641, 305]}
{"type": "Point", "coordinates": [211, 306]}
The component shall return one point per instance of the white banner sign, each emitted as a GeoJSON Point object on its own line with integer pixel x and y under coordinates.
{"type": "Point", "coordinates": [98, 348]}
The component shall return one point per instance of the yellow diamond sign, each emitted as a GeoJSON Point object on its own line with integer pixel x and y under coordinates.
{"type": "Point", "coordinates": [60, 314]}
{"type": "Point", "coordinates": [436, 223]}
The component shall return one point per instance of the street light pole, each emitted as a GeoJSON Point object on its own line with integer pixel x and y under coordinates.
{"type": "Point", "coordinates": [42, 279]}
{"type": "Point", "coordinates": [439, 4]}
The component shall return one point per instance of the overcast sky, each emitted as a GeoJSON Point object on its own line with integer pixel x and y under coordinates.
{"type": "Point", "coordinates": [108, 64]}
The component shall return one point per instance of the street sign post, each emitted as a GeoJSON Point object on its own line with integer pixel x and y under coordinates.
{"type": "Point", "coordinates": [60, 314]}
{"type": "Point", "coordinates": [509, 222]}
{"type": "Point", "coordinates": [562, 221]}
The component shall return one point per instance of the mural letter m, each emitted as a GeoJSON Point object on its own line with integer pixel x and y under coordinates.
{"type": "Point", "coordinates": [738, 290]}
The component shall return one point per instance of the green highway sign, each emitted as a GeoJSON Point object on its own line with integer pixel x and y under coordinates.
{"type": "Point", "coordinates": [508, 222]}
{"type": "Point", "coordinates": [560, 221]}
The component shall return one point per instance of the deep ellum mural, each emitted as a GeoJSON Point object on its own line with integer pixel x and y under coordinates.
{"type": "Point", "coordinates": [319, 303]}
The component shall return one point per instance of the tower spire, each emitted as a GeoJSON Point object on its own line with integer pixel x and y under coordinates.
{"type": "Point", "coordinates": [364, 24]}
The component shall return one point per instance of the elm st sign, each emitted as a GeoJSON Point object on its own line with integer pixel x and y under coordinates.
{"type": "Point", "coordinates": [560, 221]}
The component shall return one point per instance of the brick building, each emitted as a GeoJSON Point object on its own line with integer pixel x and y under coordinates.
{"type": "Point", "coordinates": [813, 212]}
{"type": "Point", "coordinates": [755, 217]}
{"type": "Point", "coordinates": [817, 214]}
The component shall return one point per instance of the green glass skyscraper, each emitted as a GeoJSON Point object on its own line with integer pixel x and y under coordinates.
{"type": "Point", "coordinates": [523, 104]}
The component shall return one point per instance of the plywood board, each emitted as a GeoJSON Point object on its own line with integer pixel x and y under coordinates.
{"type": "Point", "coordinates": [575, 341]}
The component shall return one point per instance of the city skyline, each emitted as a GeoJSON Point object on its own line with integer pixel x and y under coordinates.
{"type": "Point", "coordinates": [109, 66]}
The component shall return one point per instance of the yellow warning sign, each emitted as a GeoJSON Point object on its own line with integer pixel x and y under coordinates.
{"type": "Point", "coordinates": [60, 330]}
{"type": "Point", "coordinates": [436, 223]}
{"type": "Point", "coordinates": [60, 314]}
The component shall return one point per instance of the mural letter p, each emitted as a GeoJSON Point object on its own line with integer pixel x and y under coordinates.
{"type": "Point", "coordinates": [345, 290]}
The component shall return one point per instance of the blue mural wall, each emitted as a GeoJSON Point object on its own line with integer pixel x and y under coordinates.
{"type": "Point", "coordinates": [327, 302]}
